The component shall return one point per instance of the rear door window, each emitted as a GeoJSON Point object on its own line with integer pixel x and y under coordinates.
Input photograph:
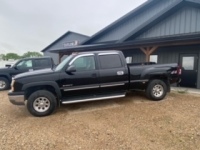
{"type": "Point", "coordinates": [110, 61]}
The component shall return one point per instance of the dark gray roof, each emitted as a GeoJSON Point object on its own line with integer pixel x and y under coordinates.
{"type": "Point", "coordinates": [77, 35]}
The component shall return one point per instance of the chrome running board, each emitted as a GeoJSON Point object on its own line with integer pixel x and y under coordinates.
{"type": "Point", "coordinates": [92, 99]}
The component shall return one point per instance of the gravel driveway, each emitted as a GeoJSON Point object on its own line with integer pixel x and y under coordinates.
{"type": "Point", "coordinates": [131, 123]}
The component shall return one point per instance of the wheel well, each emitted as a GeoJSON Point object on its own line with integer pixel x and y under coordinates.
{"type": "Point", "coordinates": [4, 76]}
{"type": "Point", "coordinates": [49, 88]}
{"type": "Point", "coordinates": [163, 78]}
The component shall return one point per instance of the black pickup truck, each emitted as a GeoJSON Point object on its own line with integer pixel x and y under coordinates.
{"type": "Point", "coordinates": [89, 76]}
{"type": "Point", "coordinates": [21, 66]}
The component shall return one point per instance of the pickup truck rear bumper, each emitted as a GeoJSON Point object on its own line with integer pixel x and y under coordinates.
{"type": "Point", "coordinates": [16, 98]}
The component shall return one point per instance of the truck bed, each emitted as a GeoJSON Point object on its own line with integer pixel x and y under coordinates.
{"type": "Point", "coordinates": [139, 75]}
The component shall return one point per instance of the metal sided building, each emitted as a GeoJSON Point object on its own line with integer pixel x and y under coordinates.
{"type": "Point", "coordinates": [69, 39]}
{"type": "Point", "coordinates": [164, 31]}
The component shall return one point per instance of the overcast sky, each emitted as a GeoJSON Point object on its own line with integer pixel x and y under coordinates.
{"type": "Point", "coordinates": [31, 25]}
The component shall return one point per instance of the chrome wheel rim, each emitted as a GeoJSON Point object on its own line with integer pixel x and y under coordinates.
{"type": "Point", "coordinates": [158, 90]}
{"type": "Point", "coordinates": [41, 104]}
{"type": "Point", "coordinates": [2, 84]}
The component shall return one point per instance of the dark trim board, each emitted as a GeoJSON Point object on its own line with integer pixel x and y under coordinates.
{"type": "Point", "coordinates": [167, 41]}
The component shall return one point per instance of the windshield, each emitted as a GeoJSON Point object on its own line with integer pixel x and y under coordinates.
{"type": "Point", "coordinates": [63, 63]}
{"type": "Point", "coordinates": [15, 63]}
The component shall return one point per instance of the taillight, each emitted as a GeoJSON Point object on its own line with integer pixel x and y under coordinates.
{"type": "Point", "coordinates": [179, 70]}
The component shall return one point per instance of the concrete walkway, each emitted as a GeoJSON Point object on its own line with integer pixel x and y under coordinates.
{"type": "Point", "coordinates": [186, 90]}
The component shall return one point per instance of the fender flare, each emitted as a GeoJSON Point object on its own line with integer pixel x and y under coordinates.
{"type": "Point", "coordinates": [166, 81]}
{"type": "Point", "coordinates": [50, 83]}
{"type": "Point", "coordinates": [7, 76]}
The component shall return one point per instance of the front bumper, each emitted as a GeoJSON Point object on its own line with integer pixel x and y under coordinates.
{"type": "Point", "coordinates": [16, 98]}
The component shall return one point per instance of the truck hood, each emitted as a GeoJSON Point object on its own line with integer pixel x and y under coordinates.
{"type": "Point", "coordinates": [5, 69]}
{"type": "Point", "coordinates": [34, 73]}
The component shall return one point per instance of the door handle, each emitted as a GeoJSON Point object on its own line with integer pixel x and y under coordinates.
{"type": "Point", "coordinates": [120, 73]}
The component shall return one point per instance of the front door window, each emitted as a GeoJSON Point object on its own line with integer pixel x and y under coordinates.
{"type": "Point", "coordinates": [25, 64]}
{"type": "Point", "coordinates": [84, 63]}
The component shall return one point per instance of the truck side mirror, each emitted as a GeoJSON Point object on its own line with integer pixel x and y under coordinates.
{"type": "Point", "coordinates": [71, 69]}
{"type": "Point", "coordinates": [15, 67]}
{"type": "Point", "coordinates": [8, 65]}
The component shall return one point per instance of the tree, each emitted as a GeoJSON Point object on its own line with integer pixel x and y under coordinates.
{"type": "Point", "coordinates": [13, 56]}
{"type": "Point", "coordinates": [3, 56]}
{"type": "Point", "coordinates": [31, 54]}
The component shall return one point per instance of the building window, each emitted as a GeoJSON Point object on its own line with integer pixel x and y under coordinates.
{"type": "Point", "coordinates": [129, 60]}
{"type": "Point", "coordinates": [154, 58]}
{"type": "Point", "coordinates": [188, 63]}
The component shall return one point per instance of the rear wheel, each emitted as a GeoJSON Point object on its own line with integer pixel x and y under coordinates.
{"type": "Point", "coordinates": [41, 103]}
{"type": "Point", "coordinates": [156, 90]}
{"type": "Point", "coordinates": [4, 84]}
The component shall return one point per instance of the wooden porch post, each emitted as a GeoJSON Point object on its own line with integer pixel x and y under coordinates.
{"type": "Point", "coordinates": [148, 51]}
{"type": "Point", "coordinates": [60, 57]}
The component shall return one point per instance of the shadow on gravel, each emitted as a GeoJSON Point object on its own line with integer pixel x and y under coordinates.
{"type": "Point", "coordinates": [131, 97]}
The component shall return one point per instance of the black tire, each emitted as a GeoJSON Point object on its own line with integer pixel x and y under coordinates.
{"type": "Point", "coordinates": [156, 90]}
{"type": "Point", "coordinates": [41, 98]}
{"type": "Point", "coordinates": [4, 84]}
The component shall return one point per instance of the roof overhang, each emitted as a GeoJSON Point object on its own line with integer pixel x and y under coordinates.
{"type": "Point", "coordinates": [161, 42]}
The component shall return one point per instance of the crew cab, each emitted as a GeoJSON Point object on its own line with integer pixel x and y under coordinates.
{"type": "Point", "coordinates": [21, 66]}
{"type": "Point", "coordinates": [89, 76]}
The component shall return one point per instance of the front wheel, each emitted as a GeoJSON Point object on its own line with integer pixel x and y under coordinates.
{"type": "Point", "coordinates": [156, 90]}
{"type": "Point", "coordinates": [41, 103]}
{"type": "Point", "coordinates": [4, 84]}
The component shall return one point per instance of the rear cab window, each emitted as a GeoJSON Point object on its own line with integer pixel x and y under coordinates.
{"type": "Point", "coordinates": [42, 63]}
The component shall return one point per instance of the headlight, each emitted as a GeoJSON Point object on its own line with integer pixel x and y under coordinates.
{"type": "Point", "coordinates": [12, 85]}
